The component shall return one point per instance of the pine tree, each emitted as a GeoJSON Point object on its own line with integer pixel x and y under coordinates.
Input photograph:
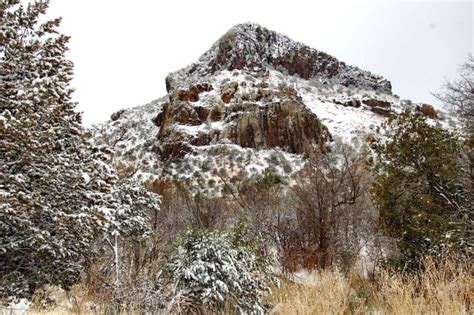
{"type": "Point", "coordinates": [418, 189]}
{"type": "Point", "coordinates": [52, 181]}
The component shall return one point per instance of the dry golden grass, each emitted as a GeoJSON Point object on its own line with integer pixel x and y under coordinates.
{"type": "Point", "coordinates": [329, 294]}
{"type": "Point", "coordinates": [447, 289]}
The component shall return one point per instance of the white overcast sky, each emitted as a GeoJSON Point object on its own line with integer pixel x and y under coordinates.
{"type": "Point", "coordinates": [123, 50]}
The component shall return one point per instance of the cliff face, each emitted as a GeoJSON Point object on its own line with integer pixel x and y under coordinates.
{"type": "Point", "coordinates": [258, 118]}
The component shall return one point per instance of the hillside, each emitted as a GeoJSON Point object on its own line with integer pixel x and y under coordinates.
{"type": "Point", "coordinates": [255, 101]}
{"type": "Point", "coordinates": [272, 178]}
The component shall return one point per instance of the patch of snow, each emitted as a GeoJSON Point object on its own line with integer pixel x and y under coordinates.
{"type": "Point", "coordinates": [20, 307]}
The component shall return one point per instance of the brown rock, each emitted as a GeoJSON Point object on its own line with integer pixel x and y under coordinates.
{"type": "Point", "coordinates": [194, 118]}
{"type": "Point", "coordinates": [183, 116]}
{"type": "Point", "coordinates": [174, 150]}
{"type": "Point", "coordinates": [288, 125]}
{"type": "Point", "coordinates": [226, 98]}
{"type": "Point", "coordinates": [228, 91]}
{"type": "Point", "coordinates": [379, 106]}
{"type": "Point", "coordinates": [428, 111]}
{"type": "Point", "coordinates": [202, 112]}
{"type": "Point", "coordinates": [215, 114]}
{"type": "Point", "coordinates": [191, 95]}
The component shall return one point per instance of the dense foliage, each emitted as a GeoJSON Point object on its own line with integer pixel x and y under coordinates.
{"type": "Point", "coordinates": [52, 182]}
{"type": "Point", "coordinates": [418, 189]}
{"type": "Point", "coordinates": [131, 203]}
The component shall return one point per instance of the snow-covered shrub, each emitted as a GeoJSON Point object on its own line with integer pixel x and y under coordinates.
{"type": "Point", "coordinates": [131, 203]}
{"type": "Point", "coordinates": [122, 278]}
{"type": "Point", "coordinates": [212, 270]}
{"type": "Point", "coordinates": [274, 158]}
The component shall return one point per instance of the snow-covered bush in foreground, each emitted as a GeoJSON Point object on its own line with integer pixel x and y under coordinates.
{"type": "Point", "coordinates": [212, 270]}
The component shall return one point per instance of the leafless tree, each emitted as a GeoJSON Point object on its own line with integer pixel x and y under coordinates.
{"type": "Point", "coordinates": [333, 209]}
{"type": "Point", "coordinates": [324, 218]}
{"type": "Point", "coordinates": [459, 94]}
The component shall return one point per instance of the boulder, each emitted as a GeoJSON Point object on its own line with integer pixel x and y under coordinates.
{"type": "Point", "coordinates": [380, 107]}
{"type": "Point", "coordinates": [191, 94]}
{"type": "Point", "coordinates": [428, 111]}
{"type": "Point", "coordinates": [228, 91]}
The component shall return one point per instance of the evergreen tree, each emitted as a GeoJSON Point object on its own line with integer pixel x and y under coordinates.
{"type": "Point", "coordinates": [130, 222]}
{"type": "Point", "coordinates": [209, 271]}
{"type": "Point", "coordinates": [52, 181]}
{"type": "Point", "coordinates": [418, 189]}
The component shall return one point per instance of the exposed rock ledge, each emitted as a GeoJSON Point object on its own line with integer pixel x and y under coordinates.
{"type": "Point", "coordinates": [286, 123]}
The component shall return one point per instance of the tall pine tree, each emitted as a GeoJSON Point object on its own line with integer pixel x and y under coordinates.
{"type": "Point", "coordinates": [52, 181]}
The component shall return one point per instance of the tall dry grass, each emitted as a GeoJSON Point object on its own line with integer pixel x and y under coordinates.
{"type": "Point", "coordinates": [328, 293]}
{"type": "Point", "coordinates": [444, 289]}
{"type": "Point", "coordinates": [440, 289]}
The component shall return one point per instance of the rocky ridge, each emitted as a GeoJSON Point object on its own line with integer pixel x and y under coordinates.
{"type": "Point", "coordinates": [253, 47]}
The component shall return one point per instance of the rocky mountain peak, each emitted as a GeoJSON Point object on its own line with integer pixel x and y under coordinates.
{"type": "Point", "coordinates": [257, 102]}
{"type": "Point", "coordinates": [252, 47]}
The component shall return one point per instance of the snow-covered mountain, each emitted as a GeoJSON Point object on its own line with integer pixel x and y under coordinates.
{"type": "Point", "coordinates": [255, 102]}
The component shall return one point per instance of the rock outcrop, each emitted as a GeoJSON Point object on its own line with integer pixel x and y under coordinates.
{"type": "Point", "coordinates": [207, 106]}
{"type": "Point", "coordinates": [428, 111]}
{"type": "Point", "coordinates": [380, 107]}
{"type": "Point", "coordinates": [287, 123]}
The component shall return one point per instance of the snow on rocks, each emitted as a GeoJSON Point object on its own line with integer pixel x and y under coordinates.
{"type": "Point", "coordinates": [240, 105]}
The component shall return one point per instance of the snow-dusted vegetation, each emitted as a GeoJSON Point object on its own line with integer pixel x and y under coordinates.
{"type": "Point", "coordinates": [267, 162]}
{"type": "Point", "coordinates": [214, 270]}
